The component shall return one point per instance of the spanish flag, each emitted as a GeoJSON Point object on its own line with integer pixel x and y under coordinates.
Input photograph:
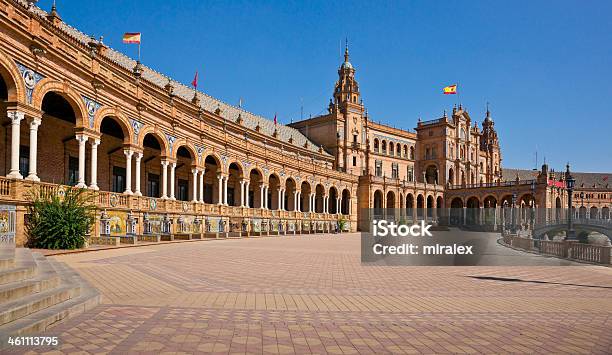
{"type": "Point", "coordinates": [450, 90]}
{"type": "Point", "coordinates": [131, 37]}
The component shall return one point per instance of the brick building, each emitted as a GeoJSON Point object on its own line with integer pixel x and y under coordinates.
{"type": "Point", "coordinates": [165, 159]}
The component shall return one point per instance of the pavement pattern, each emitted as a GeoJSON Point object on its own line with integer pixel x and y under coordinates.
{"type": "Point", "coordinates": [311, 294]}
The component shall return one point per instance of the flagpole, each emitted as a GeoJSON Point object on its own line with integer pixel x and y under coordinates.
{"type": "Point", "coordinates": [138, 51]}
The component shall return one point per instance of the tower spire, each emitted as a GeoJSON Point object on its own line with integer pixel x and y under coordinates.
{"type": "Point", "coordinates": [346, 51]}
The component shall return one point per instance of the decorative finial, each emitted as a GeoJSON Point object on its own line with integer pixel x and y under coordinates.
{"type": "Point", "coordinates": [346, 51]}
{"type": "Point", "coordinates": [444, 114]}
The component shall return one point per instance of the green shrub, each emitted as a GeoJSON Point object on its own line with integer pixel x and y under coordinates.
{"type": "Point", "coordinates": [59, 221]}
{"type": "Point", "coordinates": [341, 224]}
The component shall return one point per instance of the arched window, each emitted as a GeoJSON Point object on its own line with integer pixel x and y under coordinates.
{"type": "Point", "coordinates": [384, 147]}
{"type": "Point", "coordinates": [398, 150]}
{"type": "Point", "coordinates": [391, 148]}
{"type": "Point", "coordinates": [405, 151]}
{"type": "Point", "coordinates": [376, 146]}
{"type": "Point", "coordinates": [412, 153]}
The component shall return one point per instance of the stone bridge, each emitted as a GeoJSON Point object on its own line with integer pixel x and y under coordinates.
{"type": "Point", "coordinates": [582, 226]}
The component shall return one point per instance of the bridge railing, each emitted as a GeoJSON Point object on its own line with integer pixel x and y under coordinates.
{"type": "Point", "coordinates": [599, 254]}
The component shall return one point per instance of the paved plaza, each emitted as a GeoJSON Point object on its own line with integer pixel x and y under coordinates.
{"type": "Point", "coordinates": [311, 294]}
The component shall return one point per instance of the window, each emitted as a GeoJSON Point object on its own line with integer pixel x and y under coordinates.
{"type": "Point", "coordinates": [378, 168]}
{"type": "Point", "coordinates": [427, 153]}
{"type": "Point", "coordinates": [394, 171]}
{"type": "Point", "coordinates": [24, 160]}
{"type": "Point", "coordinates": [354, 161]}
{"type": "Point", "coordinates": [153, 185]}
{"type": "Point", "coordinates": [118, 179]}
{"type": "Point", "coordinates": [410, 173]}
{"type": "Point", "coordinates": [73, 171]}
{"type": "Point", "coordinates": [433, 152]}
{"type": "Point", "coordinates": [376, 147]}
{"type": "Point", "coordinates": [384, 147]}
{"type": "Point", "coordinates": [354, 138]}
{"type": "Point", "coordinates": [412, 153]}
{"type": "Point", "coordinates": [183, 190]}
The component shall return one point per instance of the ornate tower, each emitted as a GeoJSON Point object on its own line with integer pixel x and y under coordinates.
{"type": "Point", "coordinates": [349, 112]}
{"type": "Point", "coordinates": [489, 143]}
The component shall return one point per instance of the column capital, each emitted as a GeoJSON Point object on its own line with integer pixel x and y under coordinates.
{"type": "Point", "coordinates": [137, 155]}
{"type": "Point", "coordinates": [128, 153]}
{"type": "Point", "coordinates": [15, 116]}
{"type": "Point", "coordinates": [95, 142]}
{"type": "Point", "coordinates": [81, 138]}
{"type": "Point", "coordinates": [165, 163]}
{"type": "Point", "coordinates": [35, 122]}
{"type": "Point", "coordinates": [173, 165]}
{"type": "Point", "coordinates": [195, 170]}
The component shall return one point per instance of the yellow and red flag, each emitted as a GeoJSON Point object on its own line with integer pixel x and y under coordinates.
{"type": "Point", "coordinates": [131, 37]}
{"type": "Point", "coordinates": [450, 90]}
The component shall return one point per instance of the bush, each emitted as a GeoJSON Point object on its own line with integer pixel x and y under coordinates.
{"type": "Point", "coordinates": [58, 221]}
{"type": "Point", "coordinates": [341, 224]}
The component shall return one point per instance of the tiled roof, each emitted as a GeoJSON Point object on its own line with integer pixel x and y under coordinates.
{"type": "Point", "coordinates": [207, 102]}
{"type": "Point", "coordinates": [598, 180]}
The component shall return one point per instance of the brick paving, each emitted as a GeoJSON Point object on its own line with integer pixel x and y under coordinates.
{"type": "Point", "coordinates": [310, 294]}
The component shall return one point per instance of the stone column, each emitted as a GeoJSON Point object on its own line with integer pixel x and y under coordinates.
{"type": "Point", "coordinates": [128, 169]}
{"type": "Point", "coordinates": [296, 197]}
{"type": "Point", "coordinates": [202, 185]}
{"type": "Point", "coordinates": [279, 195]}
{"type": "Point", "coordinates": [194, 194]}
{"type": "Point", "coordinates": [283, 207]}
{"type": "Point", "coordinates": [325, 204]}
{"type": "Point", "coordinates": [338, 205]}
{"type": "Point", "coordinates": [33, 149]}
{"type": "Point", "coordinates": [261, 196]}
{"type": "Point", "coordinates": [246, 193]}
{"type": "Point", "coordinates": [266, 189]}
{"type": "Point", "coordinates": [164, 165]}
{"type": "Point", "coordinates": [137, 191]}
{"type": "Point", "coordinates": [82, 139]}
{"type": "Point", "coordinates": [15, 117]}
{"type": "Point", "coordinates": [220, 189]}
{"type": "Point", "coordinates": [242, 193]}
{"type": "Point", "coordinates": [172, 180]}
{"type": "Point", "coordinates": [94, 165]}
{"type": "Point", "coordinates": [225, 190]}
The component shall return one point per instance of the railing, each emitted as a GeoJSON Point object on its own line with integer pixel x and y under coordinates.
{"type": "Point", "coordinates": [5, 187]}
{"type": "Point", "coordinates": [492, 184]}
{"type": "Point", "coordinates": [599, 254]}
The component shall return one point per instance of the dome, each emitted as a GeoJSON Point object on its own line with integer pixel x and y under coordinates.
{"type": "Point", "coordinates": [347, 65]}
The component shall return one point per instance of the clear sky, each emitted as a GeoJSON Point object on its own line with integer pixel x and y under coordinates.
{"type": "Point", "coordinates": [544, 66]}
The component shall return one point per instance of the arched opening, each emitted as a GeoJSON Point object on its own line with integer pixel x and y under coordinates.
{"type": "Point", "coordinates": [319, 198]}
{"type": "Point", "coordinates": [152, 152]}
{"type": "Point", "coordinates": [451, 176]}
{"type": "Point", "coordinates": [558, 209]}
{"type": "Point", "coordinates": [333, 200]}
{"type": "Point", "coordinates": [112, 162]}
{"type": "Point", "coordinates": [384, 147]}
{"type": "Point", "coordinates": [430, 206]}
{"type": "Point", "coordinates": [391, 148]}
{"type": "Point", "coordinates": [582, 212]}
{"type": "Point", "coordinates": [605, 213]}
{"type": "Point", "coordinates": [234, 186]}
{"type": "Point", "coordinates": [290, 189]}
{"type": "Point", "coordinates": [462, 178]}
{"type": "Point", "coordinates": [274, 192]}
{"type": "Point", "coordinates": [527, 200]}
{"type": "Point", "coordinates": [405, 155]}
{"type": "Point", "coordinates": [57, 147]}
{"type": "Point", "coordinates": [390, 200]}
{"type": "Point", "coordinates": [186, 189]}
{"type": "Point", "coordinates": [376, 145]}
{"type": "Point", "coordinates": [211, 180]}
{"type": "Point", "coordinates": [420, 205]}
{"type": "Point", "coordinates": [256, 198]}
{"type": "Point", "coordinates": [305, 197]}
{"type": "Point", "coordinates": [378, 203]}
{"type": "Point", "coordinates": [473, 210]}
{"type": "Point", "coordinates": [431, 174]}
{"type": "Point", "coordinates": [411, 153]}
{"type": "Point", "coordinates": [3, 90]}
{"type": "Point", "coordinates": [506, 201]}
{"type": "Point", "coordinates": [346, 201]}
{"type": "Point", "coordinates": [456, 211]}
{"type": "Point", "coordinates": [593, 213]}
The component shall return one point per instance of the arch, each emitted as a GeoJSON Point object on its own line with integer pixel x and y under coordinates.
{"type": "Point", "coordinates": [319, 198]}
{"type": "Point", "coordinates": [593, 212]}
{"type": "Point", "coordinates": [506, 201]}
{"type": "Point", "coordinates": [605, 213]}
{"type": "Point", "coordinates": [290, 189]}
{"type": "Point", "coordinates": [439, 202]}
{"type": "Point", "coordinates": [378, 196]}
{"type": "Point", "coordinates": [258, 170]}
{"type": "Point", "coordinates": [212, 168]}
{"type": "Point", "coordinates": [234, 186]}
{"type": "Point", "coordinates": [420, 206]}
{"type": "Point", "coordinates": [430, 206]}
{"type": "Point", "coordinates": [526, 200]}
{"type": "Point", "coordinates": [490, 201]}
{"type": "Point", "coordinates": [346, 199]}
{"type": "Point", "coordinates": [376, 145]}
{"type": "Point", "coordinates": [456, 211]}
{"type": "Point", "coordinates": [405, 151]}
{"type": "Point", "coordinates": [391, 148]}
{"type": "Point", "coordinates": [274, 186]}
{"type": "Point", "coordinates": [13, 79]}
{"type": "Point", "coordinates": [409, 200]}
{"type": "Point", "coordinates": [306, 190]}
{"type": "Point", "coordinates": [451, 176]}
{"type": "Point", "coordinates": [185, 144]}
{"type": "Point", "coordinates": [158, 134]}
{"type": "Point", "coordinates": [384, 146]}
{"type": "Point", "coordinates": [472, 202]}
{"type": "Point", "coordinates": [121, 119]}
{"type": "Point", "coordinates": [411, 152]}
{"type": "Point", "coordinates": [333, 200]}
{"type": "Point", "coordinates": [431, 174]}
{"type": "Point", "coordinates": [390, 199]}
{"type": "Point", "coordinates": [63, 89]}
{"type": "Point", "coordinates": [457, 202]}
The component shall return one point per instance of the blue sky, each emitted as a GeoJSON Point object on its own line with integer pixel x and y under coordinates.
{"type": "Point", "coordinates": [544, 66]}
